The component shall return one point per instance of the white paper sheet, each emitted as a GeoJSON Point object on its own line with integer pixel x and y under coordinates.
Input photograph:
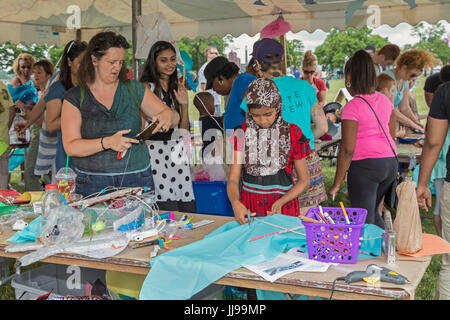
{"type": "Point", "coordinates": [291, 261]}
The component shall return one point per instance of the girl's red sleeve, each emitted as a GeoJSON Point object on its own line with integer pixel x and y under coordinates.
{"type": "Point", "coordinates": [299, 143]}
{"type": "Point", "coordinates": [237, 138]}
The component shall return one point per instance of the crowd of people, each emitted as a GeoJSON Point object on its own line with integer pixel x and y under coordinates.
{"type": "Point", "coordinates": [87, 114]}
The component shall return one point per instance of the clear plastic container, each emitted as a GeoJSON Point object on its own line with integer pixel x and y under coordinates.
{"type": "Point", "coordinates": [66, 181]}
{"type": "Point", "coordinates": [51, 200]}
{"type": "Point", "coordinates": [18, 135]}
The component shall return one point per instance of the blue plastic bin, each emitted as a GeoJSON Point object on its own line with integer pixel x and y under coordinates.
{"type": "Point", "coordinates": [211, 198]}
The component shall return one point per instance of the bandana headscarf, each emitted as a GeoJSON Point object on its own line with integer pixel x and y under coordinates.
{"type": "Point", "coordinates": [266, 150]}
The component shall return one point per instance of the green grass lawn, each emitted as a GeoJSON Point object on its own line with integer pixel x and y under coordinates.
{"type": "Point", "coordinates": [425, 290]}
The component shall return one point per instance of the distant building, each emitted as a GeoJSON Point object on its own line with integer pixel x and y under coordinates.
{"type": "Point", "coordinates": [232, 56]}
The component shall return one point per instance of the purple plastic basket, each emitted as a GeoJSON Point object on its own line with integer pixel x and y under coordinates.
{"type": "Point", "coordinates": [339, 242]}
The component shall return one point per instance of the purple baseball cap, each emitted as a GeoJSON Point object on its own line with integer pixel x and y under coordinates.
{"type": "Point", "coordinates": [265, 47]}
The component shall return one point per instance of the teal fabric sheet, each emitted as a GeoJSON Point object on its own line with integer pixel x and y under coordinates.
{"type": "Point", "coordinates": [29, 233]}
{"type": "Point", "coordinates": [181, 273]}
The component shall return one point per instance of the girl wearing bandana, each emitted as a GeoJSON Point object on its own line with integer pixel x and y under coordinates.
{"type": "Point", "coordinates": [269, 151]}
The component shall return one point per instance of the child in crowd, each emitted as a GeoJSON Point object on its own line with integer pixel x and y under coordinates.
{"type": "Point", "coordinates": [332, 112]}
{"type": "Point", "coordinates": [300, 107]}
{"type": "Point", "coordinates": [272, 149]}
{"type": "Point", "coordinates": [386, 86]}
{"type": "Point", "coordinates": [389, 90]}
{"type": "Point", "coordinates": [204, 102]}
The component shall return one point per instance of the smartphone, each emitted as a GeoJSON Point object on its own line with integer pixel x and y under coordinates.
{"type": "Point", "coordinates": [147, 132]}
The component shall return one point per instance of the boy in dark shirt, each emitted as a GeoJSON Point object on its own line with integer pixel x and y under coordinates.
{"type": "Point", "coordinates": [437, 127]}
{"type": "Point", "coordinates": [204, 102]}
{"type": "Point", "coordinates": [434, 81]}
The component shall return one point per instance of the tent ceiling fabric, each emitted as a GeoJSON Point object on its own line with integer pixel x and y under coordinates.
{"type": "Point", "coordinates": [47, 21]}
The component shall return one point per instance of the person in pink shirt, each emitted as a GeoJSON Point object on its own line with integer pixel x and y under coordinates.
{"type": "Point", "coordinates": [367, 150]}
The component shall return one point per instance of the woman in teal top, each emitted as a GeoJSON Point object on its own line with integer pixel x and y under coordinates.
{"type": "Point", "coordinates": [399, 89]}
{"type": "Point", "coordinates": [300, 107]}
{"type": "Point", "coordinates": [409, 66]}
{"type": "Point", "coordinates": [101, 117]}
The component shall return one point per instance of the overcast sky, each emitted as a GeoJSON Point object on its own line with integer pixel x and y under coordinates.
{"type": "Point", "coordinates": [400, 35]}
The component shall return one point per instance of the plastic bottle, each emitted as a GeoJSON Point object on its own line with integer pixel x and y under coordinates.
{"type": "Point", "coordinates": [51, 200]}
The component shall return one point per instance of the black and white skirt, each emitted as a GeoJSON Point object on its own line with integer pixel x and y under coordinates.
{"type": "Point", "coordinates": [172, 175]}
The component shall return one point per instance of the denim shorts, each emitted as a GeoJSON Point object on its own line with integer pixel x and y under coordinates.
{"type": "Point", "coordinates": [87, 184]}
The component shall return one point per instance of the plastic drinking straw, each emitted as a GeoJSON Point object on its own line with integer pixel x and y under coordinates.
{"type": "Point", "coordinates": [67, 166]}
{"type": "Point", "coordinates": [345, 213]}
{"type": "Point", "coordinates": [62, 198]}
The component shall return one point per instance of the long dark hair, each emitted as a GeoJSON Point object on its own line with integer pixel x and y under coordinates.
{"type": "Point", "coordinates": [362, 73]}
{"type": "Point", "coordinates": [150, 71]}
{"type": "Point", "coordinates": [98, 46]}
{"type": "Point", "coordinates": [71, 51]}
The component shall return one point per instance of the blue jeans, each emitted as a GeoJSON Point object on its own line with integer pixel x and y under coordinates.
{"type": "Point", "coordinates": [90, 184]}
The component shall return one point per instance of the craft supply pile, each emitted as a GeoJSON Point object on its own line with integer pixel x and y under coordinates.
{"type": "Point", "coordinates": [105, 224]}
{"type": "Point", "coordinates": [99, 226]}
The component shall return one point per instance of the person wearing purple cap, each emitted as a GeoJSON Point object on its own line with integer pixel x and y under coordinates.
{"type": "Point", "coordinates": [300, 107]}
{"type": "Point", "coordinates": [261, 177]}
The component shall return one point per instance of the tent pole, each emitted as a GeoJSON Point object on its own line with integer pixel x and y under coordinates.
{"type": "Point", "coordinates": [284, 63]}
{"type": "Point", "coordinates": [283, 43]}
{"type": "Point", "coordinates": [136, 8]}
{"type": "Point", "coordinates": [78, 35]}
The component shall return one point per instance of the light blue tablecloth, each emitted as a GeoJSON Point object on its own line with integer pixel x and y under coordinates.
{"type": "Point", "coordinates": [181, 273]}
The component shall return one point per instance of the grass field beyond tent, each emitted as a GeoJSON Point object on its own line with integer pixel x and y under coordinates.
{"type": "Point", "coordinates": [426, 289]}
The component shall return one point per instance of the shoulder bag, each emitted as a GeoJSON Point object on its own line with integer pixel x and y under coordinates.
{"type": "Point", "coordinates": [390, 198]}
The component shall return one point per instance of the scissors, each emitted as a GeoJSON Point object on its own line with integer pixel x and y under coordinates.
{"type": "Point", "coordinates": [121, 155]}
{"type": "Point", "coordinates": [249, 218]}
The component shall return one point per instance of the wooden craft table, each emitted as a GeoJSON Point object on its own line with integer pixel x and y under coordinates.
{"type": "Point", "coordinates": [405, 150]}
{"type": "Point", "coordinates": [297, 283]}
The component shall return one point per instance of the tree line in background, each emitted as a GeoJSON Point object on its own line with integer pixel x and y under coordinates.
{"type": "Point", "coordinates": [341, 45]}
{"type": "Point", "coordinates": [433, 39]}
{"type": "Point", "coordinates": [332, 53]}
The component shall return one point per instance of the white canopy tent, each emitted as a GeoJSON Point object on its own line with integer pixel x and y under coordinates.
{"type": "Point", "coordinates": [56, 21]}
{"type": "Point", "coordinates": [59, 21]}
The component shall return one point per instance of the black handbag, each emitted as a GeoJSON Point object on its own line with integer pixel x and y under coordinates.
{"type": "Point", "coordinates": [390, 198]}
